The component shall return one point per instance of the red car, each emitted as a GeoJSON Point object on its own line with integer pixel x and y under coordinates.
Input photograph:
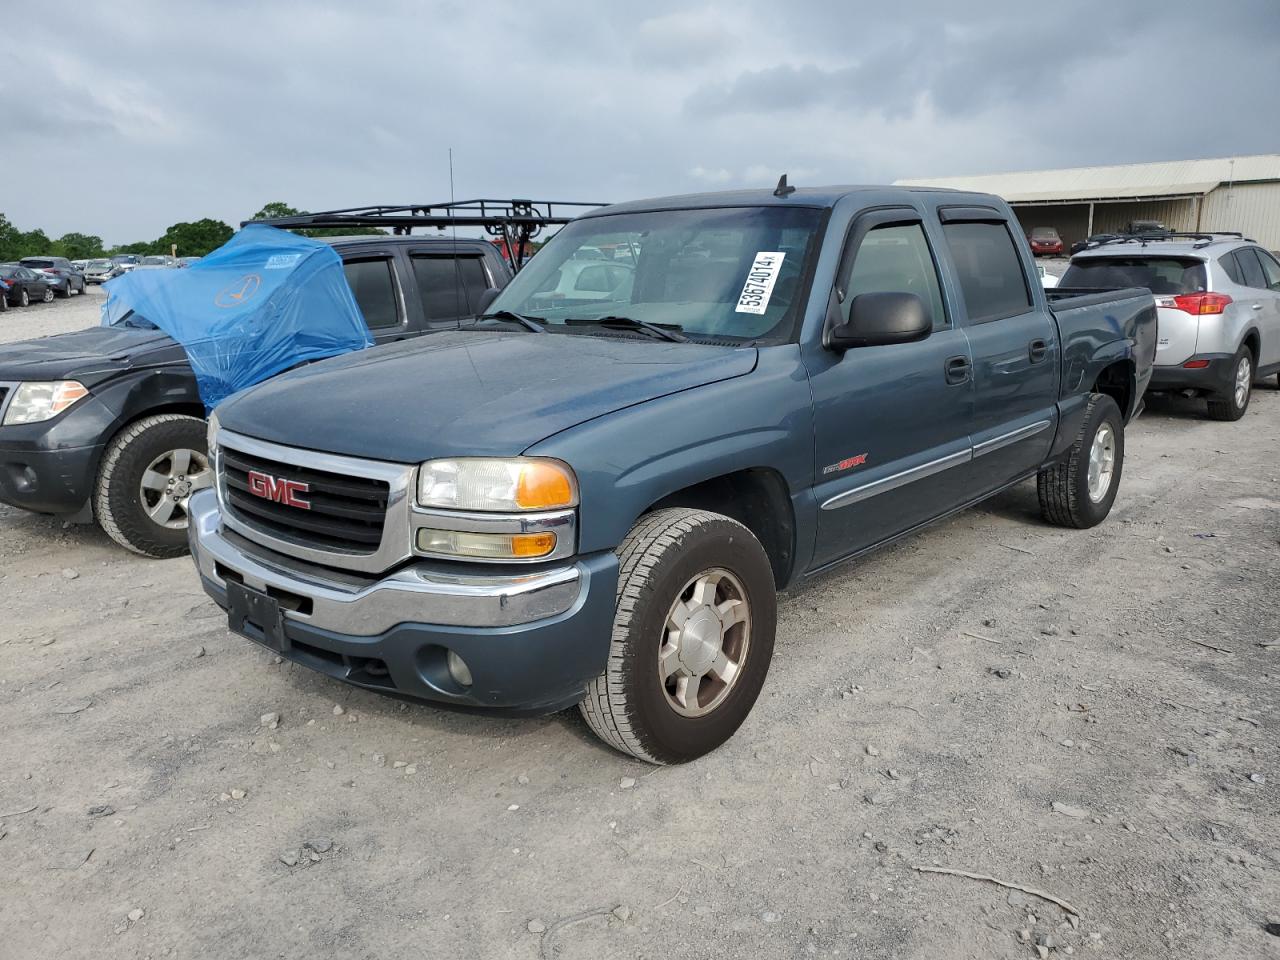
{"type": "Point", "coordinates": [1045, 242]}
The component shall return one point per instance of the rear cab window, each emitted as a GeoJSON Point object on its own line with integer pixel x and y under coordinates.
{"type": "Point", "coordinates": [449, 286]}
{"type": "Point", "coordinates": [1163, 276]}
{"type": "Point", "coordinates": [372, 282]}
{"type": "Point", "coordinates": [992, 280]}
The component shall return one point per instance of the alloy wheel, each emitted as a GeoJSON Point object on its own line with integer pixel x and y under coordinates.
{"type": "Point", "coordinates": [167, 485]}
{"type": "Point", "coordinates": [1244, 380]}
{"type": "Point", "coordinates": [708, 634]}
{"type": "Point", "coordinates": [1102, 462]}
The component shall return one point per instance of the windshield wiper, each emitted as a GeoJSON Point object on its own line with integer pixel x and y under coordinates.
{"type": "Point", "coordinates": [530, 323]}
{"type": "Point", "coordinates": [663, 331]}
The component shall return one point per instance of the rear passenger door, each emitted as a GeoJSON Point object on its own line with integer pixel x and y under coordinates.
{"type": "Point", "coordinates": [891, 421]}
{"type": "Point", "coordinates": [372, 277]}
{"type": "Point", "coordinates": [1014, 339]}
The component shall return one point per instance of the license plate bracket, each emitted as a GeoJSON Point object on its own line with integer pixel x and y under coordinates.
{"type": "Point", "coordinates": [253, 614]}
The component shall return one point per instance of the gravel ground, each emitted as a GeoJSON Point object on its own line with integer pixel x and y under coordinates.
{"type": "Point", "coordinates": [928, 705]}
{"type": "Point", "coordinates": [41, 319]}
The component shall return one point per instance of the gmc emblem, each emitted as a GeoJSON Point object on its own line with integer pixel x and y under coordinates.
{"type": "Point", "coordinates": [279, 489]}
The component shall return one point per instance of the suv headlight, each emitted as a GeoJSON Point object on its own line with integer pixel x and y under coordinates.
{"type": "Point", "coordinates": [35, 402]}
{"type": "Point", "coordinates": [505, 486]}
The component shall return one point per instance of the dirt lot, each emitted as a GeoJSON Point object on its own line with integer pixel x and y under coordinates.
{"type": "Point", "coordinates": [927, 705]}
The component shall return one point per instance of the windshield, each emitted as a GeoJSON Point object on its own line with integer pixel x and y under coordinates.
{"type": "Point", "coordinates": [100, 265]}
{"type": "Point", "coordinates": [126, 258]}
{"type": "Point", "coordinates": [1160, 275]}
{"type": "Point", "coordinates": [154, 261]}
{"type": "Point", "coordinates": [730, 273]}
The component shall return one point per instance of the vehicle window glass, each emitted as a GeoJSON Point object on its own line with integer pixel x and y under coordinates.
{"type": "Point", "coordinates": [373, 285]}
{"type": "Point", "coordinates": [450, 287]}
{"type": "Point", "coordinates": [1251, 268]}
{"type": "Point", "coordinates": [896, 259]}
{"type": "Point", "coordinates": [1168, 276]}
{"type": "Point", "coordinates": [1270, 269]}
{"type": "Point", "coordinates": [724, 272]}
{"type": "Point", "coordinates": [1228, 263]}
{"type": "Point", "coordinates": [990, 273]}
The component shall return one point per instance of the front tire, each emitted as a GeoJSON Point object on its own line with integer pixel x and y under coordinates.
{"type": "Point", "coordinates": [1079, 490]}
{"type": "Point", "coordinates": [149, 471]}
{"type": "Point", "coordinates": [48, 295]}
{"type": "Point", "coordinates": [1232, 405]}
{"type": "Point", "coordinates": [693, 636]}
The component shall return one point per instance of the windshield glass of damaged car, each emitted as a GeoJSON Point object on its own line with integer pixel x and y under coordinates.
{"type": "Point", "coordinates": [720, 273]}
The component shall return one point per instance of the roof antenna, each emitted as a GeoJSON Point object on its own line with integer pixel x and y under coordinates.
{"type": "Point", "coordinates": [782, 189]}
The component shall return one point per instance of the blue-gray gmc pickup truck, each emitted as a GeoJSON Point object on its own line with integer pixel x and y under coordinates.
{"type": "Point", "coordinates": [590, 494]}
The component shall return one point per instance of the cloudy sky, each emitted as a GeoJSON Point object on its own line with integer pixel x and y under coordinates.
{"type": "Point", "coordinates": [133, 115]}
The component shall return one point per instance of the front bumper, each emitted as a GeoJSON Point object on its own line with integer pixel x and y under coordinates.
{"type": "Point", "coordinates": [1216, 378]}
{"type": "Point", "coordinates": [50, 467]}
{"type": "Point", "coordinates": [531, 640]}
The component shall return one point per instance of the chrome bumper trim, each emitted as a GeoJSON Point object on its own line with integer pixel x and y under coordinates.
{"type": "Point", "coordinates": [419, 593]}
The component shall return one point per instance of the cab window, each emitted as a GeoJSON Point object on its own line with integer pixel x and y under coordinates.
{"type": "Point", "coordinates": [373, 284]}
{"type": "Point", "coordinates": [989, 270]}
{"type": "Point", "coordinates": [896, 259]}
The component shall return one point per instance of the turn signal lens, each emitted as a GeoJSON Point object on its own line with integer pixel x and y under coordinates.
{"type": "Point", "coordinates": [543, 486]}
{"type": "Point", "coordinates": [486, 546]}
{"type": "Point", "coordinates": [483, 484]}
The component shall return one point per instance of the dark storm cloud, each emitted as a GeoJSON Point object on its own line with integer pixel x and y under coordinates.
{"type": "Point", "coordinates": [212, 109]}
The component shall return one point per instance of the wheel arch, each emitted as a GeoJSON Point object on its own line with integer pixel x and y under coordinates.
{"type": "Point", "coordinates": [756, 497]}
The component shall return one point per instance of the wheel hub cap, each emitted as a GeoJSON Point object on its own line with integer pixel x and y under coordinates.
{"type": "Point", "coordinates": [707, 634]}
{"type": "Point", "coordinates": [1102, 462]}
{"type": "Point", "coordinates": [167, 485]}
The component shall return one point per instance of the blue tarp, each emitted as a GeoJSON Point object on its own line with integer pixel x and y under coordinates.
{"type": "Point", "coordinates": [263, 302]}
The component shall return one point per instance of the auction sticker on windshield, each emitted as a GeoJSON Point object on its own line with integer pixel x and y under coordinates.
{"type": "Point", "coordinates": [760, 280]}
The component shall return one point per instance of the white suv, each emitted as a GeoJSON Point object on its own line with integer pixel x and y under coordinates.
{"type": "Point", "coordinates": [1218, 299]}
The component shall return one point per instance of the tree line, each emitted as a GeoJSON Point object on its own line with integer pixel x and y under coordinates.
{"type": "Point", "coordinates": [192, 238]}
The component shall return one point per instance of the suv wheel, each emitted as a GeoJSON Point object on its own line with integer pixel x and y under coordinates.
{"type": "Point", "coordinates": [692, 637]}
{"type": "Point", "coordinates": [24, 298]}
{"type": "Point", "coordinates": [1079, 491]}
{"type": "Point", "coordinates": [148, 474]}
{"type": "Point", "coordinates": [66, 293]}
{"type": "Point", "coordinates": [1232, 405]}
{"type": "Point", "coordinates": [48, 295]}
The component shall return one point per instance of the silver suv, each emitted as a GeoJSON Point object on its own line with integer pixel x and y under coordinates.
{"type": "Point", "coordinates": [1218, 299]}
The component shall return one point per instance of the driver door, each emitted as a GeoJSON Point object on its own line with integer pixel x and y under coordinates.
{"type": "Point", "coordinates": [891, 421]}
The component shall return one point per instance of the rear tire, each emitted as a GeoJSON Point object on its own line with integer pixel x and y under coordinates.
{"type": "Point", "coordinates": [673, 693]}
{"type": "Point", "coordinates": [1232, 406]}
{"type": "Point", "coordinates": [1079, 491]}
{"type": "Point", "coordinates": [66, 294]}
{"type": "Point", "coordinates": [24, 298]}
{"type": "Point", "coordinates": [47, 297]}
{"type": "Point", "coordinates": [148, 473]}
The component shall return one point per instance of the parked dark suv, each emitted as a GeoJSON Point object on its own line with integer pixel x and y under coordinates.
{"type": "Point", "coordinates": [68, 279]}
{"type": "Point", "coordinates": [107, 423]}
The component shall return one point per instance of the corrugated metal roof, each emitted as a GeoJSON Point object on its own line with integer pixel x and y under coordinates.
{"type": "Point", "coordinates": [1171, 178]}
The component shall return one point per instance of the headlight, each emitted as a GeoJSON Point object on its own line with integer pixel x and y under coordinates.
{"type": "Point", "coordinates": [34, 402]}
{"type": "Point", "coordinates": [497, 485]}
{"type": "Point", "coordinates": [211, 436]}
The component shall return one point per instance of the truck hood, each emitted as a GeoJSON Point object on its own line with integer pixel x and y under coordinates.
{"type": "Point", "coordinates": [469, 393]}
{"type": "Point", "coordinates": [87, 355]}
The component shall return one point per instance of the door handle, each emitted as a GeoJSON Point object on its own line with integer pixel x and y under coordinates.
{"type": "Point", "coordinates": [957, 369]}
{"type": "Point", "coordinates": [1037, 350]}
{"type": "Point", "coordinates": [1257, 306]}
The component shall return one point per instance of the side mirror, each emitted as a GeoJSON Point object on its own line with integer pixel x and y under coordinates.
{"type": "Point", "coordinates": [486, 299]}
{"type": "Point", "coordinates": [877, 319]}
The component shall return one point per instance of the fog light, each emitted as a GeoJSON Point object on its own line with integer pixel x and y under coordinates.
{"type": "Point", "coordinates": [486, 546]}
{"type": "Point", "coordinates": [459, 670]}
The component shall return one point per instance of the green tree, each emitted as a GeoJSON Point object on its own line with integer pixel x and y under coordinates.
{"type": "Point", "coordinates": [278, 209]}
{"type": "Point", "coordinates": [194, 239]}
{"type": "Point", "coordinates": [78, 246]}
{"type": "Point", "coordinates": [8, 240]}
